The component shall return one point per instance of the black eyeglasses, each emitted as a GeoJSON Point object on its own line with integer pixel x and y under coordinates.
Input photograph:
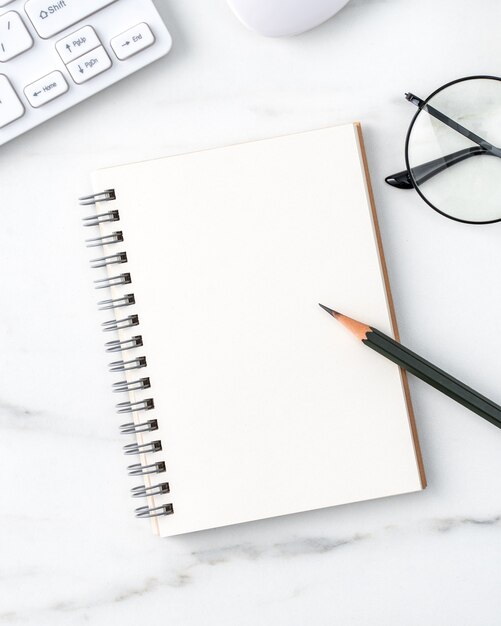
{"type": "Point", "coordinates": [457, 122]}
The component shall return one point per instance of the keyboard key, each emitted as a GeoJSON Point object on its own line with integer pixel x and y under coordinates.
{"type": "Point", "coordinates": [14, 36]}
{"type": "Point", "coordinates": [46, 89]}
{"type": "Point", "coordinates": [51, 18]}
{"type": "Point", "coordinates": [78, 43]}
{"type": "Point", "coordinates": [132, 41]}
{"type": "Point", "coordinates": [89, 65]}
{"type": "Point", "coordinates": [11, 107]}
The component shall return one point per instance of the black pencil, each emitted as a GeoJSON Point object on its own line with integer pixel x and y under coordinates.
{"type": "Point", "coordinates": [421, 368]}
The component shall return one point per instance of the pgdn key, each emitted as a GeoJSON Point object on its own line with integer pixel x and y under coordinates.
{"type": "Point", "coordinates": [89, 65]}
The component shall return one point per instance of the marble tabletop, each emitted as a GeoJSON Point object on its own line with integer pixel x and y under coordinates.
{"type": "Point", "coordinates": [71, 551]}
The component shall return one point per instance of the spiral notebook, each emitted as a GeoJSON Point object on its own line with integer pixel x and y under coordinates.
{"type": "Point", "coordinates": [244, 399]}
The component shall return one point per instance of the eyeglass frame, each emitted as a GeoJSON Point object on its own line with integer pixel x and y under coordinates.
{"type": "Point", "coordinates": [406, 179]}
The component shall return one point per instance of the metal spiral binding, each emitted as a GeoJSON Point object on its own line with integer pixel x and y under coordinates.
{"type": "Point", "coordinates": [116, 237]}
{"type": "Point", "coordinates": [142, 491]}
{"type": "Point", "coordinates": [101, 218]}
{"type": "Point", "coordinates": [141, 470]}
{"type": "Point", "coordinates": [136, 448]}
{"type": "Point", "coordinates": [126, 322]}
{"type": "Point", "coordinates": [113, 281]}
{"type": "Point", "coordinates": [127, 344]}
{"type": "Point", "coordinates": [132, 407]}
{"type": "Point", "coordinates": [145, 511]}
{"type": "Point", "coordinates": [125, 366]}
{"type": "Point", "coordinates": [131, 428]}
{"type": "Point", "coordinates": [120, 257]}
{"type": "Point", "coordinates": [127, 300]}
{"type": "Point", "coordinates": [104, 196]}
{"type": "Point", "coordinates": [139, 448]}
{"type": "Point", "coordinates": [134, 385]}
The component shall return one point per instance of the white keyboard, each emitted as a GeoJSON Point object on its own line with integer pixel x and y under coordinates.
{"type": "Point", "coordinates": [54, 55]}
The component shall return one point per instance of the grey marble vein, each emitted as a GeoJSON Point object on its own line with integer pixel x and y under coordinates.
{"type": "Point", "coordinates": [21, 418]}
{"type": "Point", "coordinates": [450, 523]}
{"type": "Point", "coordinates": [289, 549]}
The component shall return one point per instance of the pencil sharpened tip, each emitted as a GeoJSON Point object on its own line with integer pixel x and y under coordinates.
{"type": "Point", "coordinates": [330, 311]}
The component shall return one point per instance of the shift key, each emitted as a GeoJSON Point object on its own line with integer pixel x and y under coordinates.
{"type": "Point", "coordinates": [51, 18]}
{"type": "Point", "coordinates": [89, 65]}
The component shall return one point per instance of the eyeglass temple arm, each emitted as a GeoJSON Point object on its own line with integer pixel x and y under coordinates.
{"type": "Point", "coordinates": [421, 104]}
{"type": "Point", "coordinates": [425, 171]}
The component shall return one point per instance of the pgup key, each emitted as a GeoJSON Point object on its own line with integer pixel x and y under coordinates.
{"type": "Point", "coordinates": [77, 44]}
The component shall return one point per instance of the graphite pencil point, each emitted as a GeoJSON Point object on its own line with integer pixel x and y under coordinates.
{"type": "Point", "coordinates": [330, 311]}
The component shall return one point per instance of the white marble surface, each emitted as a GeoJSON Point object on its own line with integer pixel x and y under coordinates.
{"type": "Point", "coordinates": [70, 550]}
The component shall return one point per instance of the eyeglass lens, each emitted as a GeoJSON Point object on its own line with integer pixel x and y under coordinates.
{"type": "Point", "coordinates": [456, 167]}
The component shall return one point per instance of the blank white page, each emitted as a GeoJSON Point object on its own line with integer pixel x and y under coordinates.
{"type": "Point", "coordinates": [265, 404]}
